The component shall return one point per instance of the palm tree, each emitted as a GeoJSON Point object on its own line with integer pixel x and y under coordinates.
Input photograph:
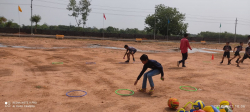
{"type": "Point", "coordinates": [36, 19]}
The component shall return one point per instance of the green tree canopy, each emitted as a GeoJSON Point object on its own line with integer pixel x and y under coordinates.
{"type": "Point", "coordinates": [36, 19]}
{"type": "Point", "coordinates": [2, 19]}
{"type": "Point", "coordinates": [162, 16]}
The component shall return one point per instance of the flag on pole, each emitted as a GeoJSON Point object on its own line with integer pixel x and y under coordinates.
{"type": "Point", "coordinates": [104, 16]}
{"type": "Point", "coordinates": [19, 8]}
{"type": "Point", "coordinates": [220, 25]}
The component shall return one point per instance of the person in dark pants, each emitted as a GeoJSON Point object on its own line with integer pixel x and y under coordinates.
{"type": "Point", "coordinates": [237, 53]}
{"type": "Point", "coordinates": [247, 42]}
{"type": "Point", "coordinates": [130, 51]}
{"type": "Point", "coordinates": [184, 50]}
{"type": "Point", "coordinates": [227, 48]}
{"type": "Point", "coordinates": [156, 70]}
{"type": "Point", "coordinates": [247, 55]}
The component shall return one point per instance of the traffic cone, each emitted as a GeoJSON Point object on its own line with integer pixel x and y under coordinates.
{"type": "Point", "coordinates": [212, 56]}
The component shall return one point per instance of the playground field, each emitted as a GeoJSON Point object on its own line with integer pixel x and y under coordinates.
{"type": "Point", "coordinates": [27, 74]}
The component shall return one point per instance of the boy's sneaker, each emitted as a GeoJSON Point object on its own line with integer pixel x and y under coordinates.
{"type": "Point", "coordinates": [134, 59]}
{"type": "Point", "coordinates": [183, 66]}
{"type": "Point", "coordinates": [229, 62]}
{"type": "Point", "coordinates": [221, 62]}
{"type": "Point", "coordinates": [127, 61]}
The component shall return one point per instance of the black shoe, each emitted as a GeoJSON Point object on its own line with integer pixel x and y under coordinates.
{"type": "Point", "coordinates": [221, 62]}
{"type": "Point", "coordinates": [127, 61]}
{"type": "Point", "coordinates": [178, 63]}
{"type": "Point", "coordinates": [134, 59]}
{"type": "Point", "coordinates": [229, 62]}
{"type": "Point", "coordinates": [183, 66]}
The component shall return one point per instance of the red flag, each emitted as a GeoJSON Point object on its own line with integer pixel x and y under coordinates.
{"type": "Point", "coordinates": [104, 16]}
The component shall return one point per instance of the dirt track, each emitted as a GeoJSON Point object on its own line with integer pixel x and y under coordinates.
{"type": "Point", "coordinates": [29, 75]}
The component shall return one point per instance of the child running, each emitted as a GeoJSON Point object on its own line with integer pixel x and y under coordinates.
{"type": "Point", "coordinates": [156, 69]}
{"type": "Point", "coordinates": [227, 50]}
{"type": "Point", "coordinates": [184, 50]}
{"type": "Point", "coordinates": [237, 53]}
{"type": "Point", "coordinates": [247, 42]}
{"type": "Point", "coordinates": [130, 50]}
{"type": "Point", "coordinates": [247, 54]}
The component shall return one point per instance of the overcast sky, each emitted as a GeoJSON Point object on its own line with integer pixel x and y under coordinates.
{"type": "Point", "coordinates": [201, 15]}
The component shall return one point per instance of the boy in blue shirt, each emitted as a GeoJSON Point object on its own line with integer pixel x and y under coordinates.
{"type": "Point", "coordinates": [156, 69]}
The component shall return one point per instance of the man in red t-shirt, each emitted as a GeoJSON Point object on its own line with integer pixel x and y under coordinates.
{"type": "Point", "coordinates": [184, 50]}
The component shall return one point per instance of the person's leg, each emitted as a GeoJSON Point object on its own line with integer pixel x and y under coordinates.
{"type": "Point", "coordinates": [128, 56]}
{"type": "Point", "coordinates": [144, 82]}
{"type": "Point", "coordinates": [178, 62]}
{"type": "Point", "coordinates": [229, 60]}
{"type": "Point", "coordinates": [244, 57]}
{"type": "Point", "coordinates": [228, 57]}
{"type": "Point", "coordinates": [222, 59]}
{"type": "Point", "coordinates": [184, 59]}
{"type": "Point", "coordinates": [133, 55]}
{"type": "Point", "coordinates": [232, 58]}
{"type": "Point", "coordinates": [150, 75]}
{"type": "Point", "coordinates": [237, 61]}
{"type": "Point", "coordinates": [238, 64]}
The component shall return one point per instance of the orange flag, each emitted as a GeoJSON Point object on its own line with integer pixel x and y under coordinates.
{"type": "Point", "coordinates": [19, 8]}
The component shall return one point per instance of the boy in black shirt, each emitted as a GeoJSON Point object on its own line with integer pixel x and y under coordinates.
{"type": "Point", "coordinates": [227, 50]}
{"type": "Point", "coordinates": [156, 69]}
{"type": "Point", "coordinates": [247, 54]}
{"type": "Point", "coordinates": [130, 50]}
{"type": "Point", "coordinates": [237, 53]}
{"type": "Point", "coordinates": [247, 42]}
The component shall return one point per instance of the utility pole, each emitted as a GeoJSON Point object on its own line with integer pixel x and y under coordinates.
{"type": "Point", "coordinates": [167, 28]}
{"type": "Point", "coordinates": [235, 29]}
{"type": "Point", "coordinates": [31, 17]}
{"type": "Point", "coordinates": [155, 22]}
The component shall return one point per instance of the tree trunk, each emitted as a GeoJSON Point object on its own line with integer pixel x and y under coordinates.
{"type": "Point", "coordinates": [36, 27]}
{"type": "Point", "coordinates": [76, 22]}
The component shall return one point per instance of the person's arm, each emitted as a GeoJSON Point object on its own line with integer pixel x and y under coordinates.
{"type": "Point", "coordinates": [142, 72]}
{"type": "Point", "coordinates": [162, 73]}
{"type": "Point", "coordinates": [188, 45]}
{"type": "Point", "coordinates": [234, 49]}
{"type": "Point", "coordinates": [247, 53]}
{"type": "Point", "coordinates": [125, 53]}
{"type": "Point", "coordinates": [138, 78]}
{"type": "Point", "coordinates": [180, 45]}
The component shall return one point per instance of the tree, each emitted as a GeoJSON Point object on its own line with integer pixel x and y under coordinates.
{"type": "Point", "coordinates": [2, 19]}
{"type": "Point", "coordinates": [79, 9]}
{"type": "Point", "coordinates": [9, 24]}
{"type": "Point", "coordinates": [162, 16]}
{"type": "Point", "coordinates": [36, 19]}
{"type": "Point", "coordinates": [85, 10]}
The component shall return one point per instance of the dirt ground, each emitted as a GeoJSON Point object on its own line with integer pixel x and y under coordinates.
{"type": "Point", "coordinates": [28, 75]}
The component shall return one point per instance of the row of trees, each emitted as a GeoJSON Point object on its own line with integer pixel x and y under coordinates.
{"type": "Point", "coordinates": [165, 21]}
{"type": "Point", "coordinates": [218, 35]}
{"type": "Point", "coordinates": [4, 23]}
{"type": "Point", "coordinates": [10, 24]}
